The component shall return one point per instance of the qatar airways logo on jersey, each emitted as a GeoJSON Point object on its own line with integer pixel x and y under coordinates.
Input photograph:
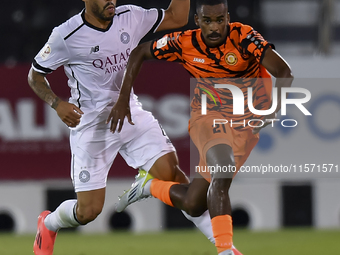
{"type": "Point", "coordinates": [114, 63]}
{"type": "Point", "coordinates": [238, 105]}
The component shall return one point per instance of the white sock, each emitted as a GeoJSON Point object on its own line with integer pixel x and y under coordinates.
{"type": "Point", "coordinates": [203, 223]}
{"type": "Point", "coordinates": [147, 188]}
{"type": "Point", "coordinates": [226, 252]}
{"type": "Point", "coordinates": [62, 217]}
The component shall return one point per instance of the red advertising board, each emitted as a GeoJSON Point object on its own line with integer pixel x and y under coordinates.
{"type": "Point", "coordinates": [34, 142]}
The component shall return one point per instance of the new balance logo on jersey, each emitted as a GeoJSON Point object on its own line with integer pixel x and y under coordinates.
{"type": "Point", "coordinates": [200, 60]}
{"type": "Point", "coordinates": [94, 49]}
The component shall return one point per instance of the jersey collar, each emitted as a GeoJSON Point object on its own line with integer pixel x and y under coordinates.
{"type": "Point", "coordinates": [94, 27]}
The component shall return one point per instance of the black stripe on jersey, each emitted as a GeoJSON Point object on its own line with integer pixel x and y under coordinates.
{"type": "Point", "coordinates": [212, 56]}
{"type": "Point", "coordinates": [253, 69]}
{"type": "Point", "coordinates": [236, 28]}
{"type": "Point", "coordinates": [204, 70]}
{"type": "Point", "coordinates": [39, 67]}
{"type": "Point", "coordinates": [221, 52]}
{"type": "Point", "coordinates": [122, 12]}
{"type": "Point", "coordinates": [263, 99]}
{"type": "Point", "coordinates": [220, 67]}
{"type": "Point", "coordinates": [249, 71]}
{"type": "Point", "coordinates": [78, 100]}
{"type": "Point", "coordinates": [175, 45]}
{"type": "Point", "coordinates": [74, 31]}
{"type": "Point", "coordinates": [195, 43]}
{"type": "Point", "coordinates": [173, 48]}
{"type": "Point", "coordinates": [161, 52]}
{"type": "Point", "coordinates": [158, 21]}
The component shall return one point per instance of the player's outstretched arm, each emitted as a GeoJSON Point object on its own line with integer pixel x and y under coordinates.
{"type": "Point", "coordinates": [176, 15]}
{"type": "Point", "coordinates": [280, 69]}
{"type": "Point", "coordinates": [277, 66]}
{"type": "Point", "coordinates": [68, 113]}
{"type": "Point", "coordinates": [122, 108]}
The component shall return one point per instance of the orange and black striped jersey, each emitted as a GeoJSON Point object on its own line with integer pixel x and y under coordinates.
{"type": "Point", "coordinates": [236, 62]}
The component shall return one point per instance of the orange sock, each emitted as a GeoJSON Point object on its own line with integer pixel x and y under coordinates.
{"type": "Point", "coordinates": [222, 227]}
{"type": "Point", "coordinates": [161, 190]}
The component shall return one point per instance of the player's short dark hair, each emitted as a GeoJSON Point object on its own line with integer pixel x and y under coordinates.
{"type": "Point", "coordinates": [199, 3]}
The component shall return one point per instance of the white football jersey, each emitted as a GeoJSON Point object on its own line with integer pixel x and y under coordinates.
{"type": "Point", "coordinates": [94, 59]}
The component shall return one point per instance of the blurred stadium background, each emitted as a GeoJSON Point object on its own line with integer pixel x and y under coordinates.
{"type": "Point", "coordinates": [34, 150]}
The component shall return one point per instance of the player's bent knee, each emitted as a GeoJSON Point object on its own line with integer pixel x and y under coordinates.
{"type": "Point", "coordinates": [88, 214]}
{"type": "Point", "coordinates": [222, 183]}
{"type": "Point", "coordinates": [166, 168]}
{"type": "Point", "coordinates": [193, 208]}
{"type": "Point", "coordinates": [180, 176]}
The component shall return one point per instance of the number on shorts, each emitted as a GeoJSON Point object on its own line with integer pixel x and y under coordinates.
{"type": "Point", "coordinates": [217, 128]}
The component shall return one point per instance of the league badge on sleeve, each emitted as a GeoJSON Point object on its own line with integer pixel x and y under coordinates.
{"type": "Point", "coordinates": [162, 42]}
{"type": "Point", "coordinates": [45, 52]}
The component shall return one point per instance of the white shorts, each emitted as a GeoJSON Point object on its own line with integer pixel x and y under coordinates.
{"type": "Point", "coordinates": [94, 148]}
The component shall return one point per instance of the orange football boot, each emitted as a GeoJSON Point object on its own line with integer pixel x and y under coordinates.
{"type": "Point", "coordinates": [236, 252]}
{"type": "Point", "coordinates": [44, 240]}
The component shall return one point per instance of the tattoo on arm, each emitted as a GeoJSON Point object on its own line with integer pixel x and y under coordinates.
{"type": "Point", "coordinates": [40, 86]}
{"type": "Point", "coordinates": [55, 102]}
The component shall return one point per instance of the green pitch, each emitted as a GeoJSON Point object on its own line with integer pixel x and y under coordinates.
{"type": "Point", "coordinates": [288, 241]}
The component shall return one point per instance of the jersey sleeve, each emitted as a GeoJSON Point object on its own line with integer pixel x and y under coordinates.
{"type": "Point", "coordinates": [146, 19]}
{"type": "Point", "coordinates": [169, 47]}
{"type": "Point", "coordinates": [252, 43]}
{"type": "Point", "coordinates": [53, 55]}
